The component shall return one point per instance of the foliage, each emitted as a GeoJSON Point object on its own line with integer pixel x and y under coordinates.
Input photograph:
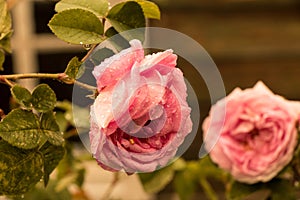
{"type": "Point", "coordinates": [82, 22]}
{"type": "Point", "coordinates": [34, 135]}
{"type": "Point", "coordinates": [5, 30]}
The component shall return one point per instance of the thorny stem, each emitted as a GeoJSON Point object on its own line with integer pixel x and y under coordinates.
{"type": "Point", "coordinates": [59, 76]}
{"type": "Point", "coordinates": [111, 187]}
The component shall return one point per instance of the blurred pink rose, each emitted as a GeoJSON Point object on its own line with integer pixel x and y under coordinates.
{"type": "Point", "coordinates": [140, 117]}
{"type": "Point", "coordinates": [259, 134]}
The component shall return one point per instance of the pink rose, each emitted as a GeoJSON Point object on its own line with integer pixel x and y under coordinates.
{"type": "Point", "coordinates": [259, 134]}
{"type": "Point", "coordinates": [140, 117]}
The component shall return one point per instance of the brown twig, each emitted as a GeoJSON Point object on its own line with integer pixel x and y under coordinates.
{"type": "Point", "coordinates": [59, 76]}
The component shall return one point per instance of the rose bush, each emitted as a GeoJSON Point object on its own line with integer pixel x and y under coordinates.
{"type": "Point", "coordinates": [140, 117]}
{"type": "Point", "coordinates": [258, 136]}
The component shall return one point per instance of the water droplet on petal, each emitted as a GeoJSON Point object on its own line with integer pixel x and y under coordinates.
{"type": "Point", "coordinates": [86, 46]}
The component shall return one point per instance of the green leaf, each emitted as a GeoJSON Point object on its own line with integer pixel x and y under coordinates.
{"type": "Point", "coordinates": [20, 169]}
{"type": "Point", "coordinates": [5, 30]}
{"type": "Point", "coordinates": [282, 189]}
{"type": "Point", "coordinates": [118, 41]}
{"type": "Point", "coordinates": [241, 190]}
{"type": "Point", "coordinates": [156, 181]}
{"type": "Point", "coordinates": [185, 184]}
{"type": "Point", "coordinates": [99, 7]}
{"type": "Point", "coordinates": [77, 26]}
{"type": "Point", "coordinates": [128, 15]}
{"type": "Point", "coordinates": [73, 68]}
{"type": "Point", "coordinates": [43, 98]}
{"type": "Point", "coordinates": [5, 42]}
{"type": "Point", "coordinates": [52, 155]}
{"type": "Point", "coordinates": [98, 56]}
{"type": "Point", "coordinates": [22, 95]}
{"type": "Point", "coordinates": [276, 189]}
{"type": "Point", "coordinates": [206, 168]}
{"type": "Point", "coordinates": [150, 9]}
{"type": "Point", "coordinates": [5, 19]}
{"type": "Point", "coordinates": [2, 59]}
{"type": "Point", "coordinates": [51, 130]}
{"type": "Point", "coordinates": [20, 128]}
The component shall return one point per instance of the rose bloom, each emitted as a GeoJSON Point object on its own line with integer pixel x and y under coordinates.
{"type": "Point", "coordinates": [258, 133]}
{"type": "Point", "coordinates": [140, 117]}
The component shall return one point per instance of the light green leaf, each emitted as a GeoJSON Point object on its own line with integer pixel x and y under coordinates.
{"type": "Point", "coordinates": [77, 26]}
{"type": "Point", "coordinates": [156, 181]}
{"type": "Point", "coordinates": [52, 155]}
{"type": "Point", "coordinates": [22, 95]}
{"type": "Point", "coordinates": [99, 7]}
{"type": "Point", "coordinates": [150, 9]}
{"type": "Point", "coordinates": [128, 15]}
{"type": "Point", "coordinates": [43, 98]}
{"type": "Point", "coordinates": [5, 20]}
{"type": "Point", "coordinates": [5, 42]}
{"type": "Point", "coordinates": [50, 129]}
{"type": "Point", "coordinates": [2, 59]}
{"type": "Point", "coordinates": [20, 128]}
{"type": "Point", "coordinates": [73, 68]}
{"type": "Point", "coordinates": [20, 169]}
{"type": "Point", "coordinates": [5, 32]}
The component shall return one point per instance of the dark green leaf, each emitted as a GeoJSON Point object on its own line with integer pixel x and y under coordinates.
{"type": "Point", "coordinates": [98, 56]}
{"type": "Point", "coordinates": [73, 68]}
{"type": "Point", "coordinates": [80, 177]}
{"type": "Point", "coordinates": [2, 59]}
{"type": "Point", "coordinates": [20, 128]}
{"type": "Point", "coordinates": [276, 189]}
{"type": "Point", "coordinates": [52, 155]}
{"type": "Point", "coordinates": [99, 7]}
{"type": "Point", "coordinates": [150, 9]}
{"type": "Point", "coordinates": [20, 169]}
{"type": "Point", "coordinates": [128, 15]}
{"type": "Point", "coordinates": [118, 41]}
{"type": "Point", "coordinates": [43, 98]}
{"type": "Point", "coordinates": [50, 129]}
{"type": "Point", "coordinates": [22, 95]}
{"type": "Point", "coordinates": [241, 190]}
{"type": "Point", "coordinates": [282, 189]}
{"type": "Point", "coordinates": [156, 181]}
{"type": "Point", "coordinates": [262, 194]}
{"type": "Point", "coordinates": [77, 26]}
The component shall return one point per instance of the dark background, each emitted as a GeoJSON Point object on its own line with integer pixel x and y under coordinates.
{"type": "Point", "coordinates": [248, 40]}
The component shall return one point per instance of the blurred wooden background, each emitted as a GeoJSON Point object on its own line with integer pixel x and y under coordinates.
{"type": "Point", "coordinates": [249, 40]}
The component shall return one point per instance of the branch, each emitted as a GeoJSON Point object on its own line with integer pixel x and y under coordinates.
{"type": "Point", "coordinates": [59, 76]}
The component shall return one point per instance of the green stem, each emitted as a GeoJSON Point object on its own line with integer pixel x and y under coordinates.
{"type": "Point", "coordinates": [207, 189]}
